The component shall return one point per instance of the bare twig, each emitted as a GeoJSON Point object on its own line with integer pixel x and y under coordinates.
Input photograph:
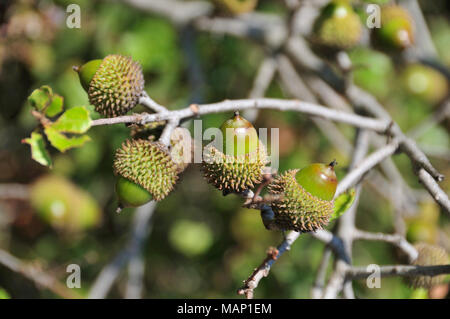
{"type": "Point", "coordinates": [356, 174]}
{"type": "Point", "coordinates": [263, 270]}
{"type": "Point", "coordinates": [399, 270]}
{"type": "Point", "coordinates": [263, 78]}
{"type": "Point", "coordinates": [180, 12]}
{"type": "Point", "coordinates": [167, 132]}
{"type": "Point", "coordinates": [263, 103]}
{"type": "Point", "coordinates": [140, 231]}
{"type": "Point", "coordinates": [147, 101]}
{"type": "Point", "coordinates": [14, 191]}
{"type": "Point", "coordinates": [394, 239]}
{"type": "Point", "coordinates": [39, 277]}
{"type": "Point", "coordinates": [319, 282]}
{"type": "Point", "coordinates": [346, 225]}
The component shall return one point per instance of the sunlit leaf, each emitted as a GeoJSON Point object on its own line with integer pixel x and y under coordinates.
{"type": "Point", "coordinates": [4, 294]}
{"type": "Point", "coordinates": [41, 98]}
{"type": "Point", "coordinates": [62, 142]}
{"type": "Point", "coordinates": [74, 120]}
{"type": "Point", "coordinates": [38, 150]}
{"type": "Point", "coordinates": [44, 101]}
{"type": "Point", "coordinates": [56, 106]}
{"type": "Point", "coordinates": [342, 203]}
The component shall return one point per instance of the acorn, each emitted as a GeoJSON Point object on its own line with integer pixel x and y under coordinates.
{"type": "Point", "coordinates": [236, 7]}
{"type": "Point", "coordinates": [396, 31]}
{"type": "Point", "coordinates": [429, 255]}
{"type": "Point", "coordinates": [145, 172]}
{"type": "Point", "coordinates": [338, 26]}
{"type": "Point", "coordinates": [131, 194]}
{"type": "Point", "coordinates": [303, 199]}
{"type": "Point", "coordinates": [239, 167]}
{"type": "Point", "coordinates": [64, 205]}
{"type": "Point", "coordinates": [114, 84]}
{"type": "Point", "coordinates": [425, 83]}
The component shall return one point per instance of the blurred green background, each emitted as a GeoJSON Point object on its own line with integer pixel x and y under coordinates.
{"type": "Point", "coordinates": [202, 244]}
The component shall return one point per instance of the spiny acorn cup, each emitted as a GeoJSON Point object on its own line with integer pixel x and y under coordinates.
{"type": "Point", "coordinates": [429, 255]}
{"type": "Point", "coordinates": [338, 26]}
{"type": "Point", "coordinates": [303, 199]}
{"type": "Point", "coordinates": [239, 166]}
{"type": "Point", "coordinates": [113, 84]}
{"type": "Point", "coordinates": [143, 166]}
{"type": "Point", "coordinates": [396, 31]}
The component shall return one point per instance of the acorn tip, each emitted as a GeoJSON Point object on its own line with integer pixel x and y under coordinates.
{"type": "Point", "coordinates": [333, 163]}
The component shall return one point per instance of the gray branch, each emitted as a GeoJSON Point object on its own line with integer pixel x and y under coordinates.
{"type": "Point", "coordinates": [140, 231]}
{"type": "Point", "coordinates": [398, 270]}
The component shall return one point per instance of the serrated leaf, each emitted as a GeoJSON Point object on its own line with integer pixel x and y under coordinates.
{"type": "Point", "coordinates": [41, 98]}
{"type": "Point", "coordinates": [38, 150]}
{"type": "Point", "coordinates": [74, 120]}
{"type": "Point", "coordinates": [61, 142]}
{"type": "Point", "coordinates": [342, 203]}
{"type": "Point", "coordinates": [56, 106]}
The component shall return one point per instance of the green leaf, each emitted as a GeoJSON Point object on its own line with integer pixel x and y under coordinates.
{"type": "Point", "coordinates": [56, 106]}
{"type": "Point", "coordinates": [342, 203]}
{"type": "Point", "coordinates": [44, 101]}
{"type": "Point", "coordinates": [62, 142]}
{"type": "Point", "coordinates": [38, 151]}
{"type": "Point", "coordinates": [41, 98]}
{"type": "Point", "coordinates": [74, 120]}
{"type": "Point", "coordinates": [4, 294]}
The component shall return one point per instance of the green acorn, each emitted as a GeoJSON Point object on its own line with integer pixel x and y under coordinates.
{"type": "Point", "coordinates": [236, 7]}
{"type": "Point", "coordinates": [113, 84]}
{"type": "Point", "coordinates": [303, 200]}
{"type": "Point", "coordinates": [396, 31]}
{"type": "Point", "coordinates": [240, 166]}
{"type": "Point", "coordinates": [130, 194]}
{"type": "Point", "coordinates": [338, 26]}
{"type": "Point", "coordinates": [425, 83]}
{"type": "Point", "coordinates": [146, 171]}
{"type": "Point", "coordinates": [429, 255]}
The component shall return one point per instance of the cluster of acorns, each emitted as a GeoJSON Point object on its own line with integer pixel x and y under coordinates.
{"type": "Point", "coordinates": [339, 26]}
{"type": "Point", "coordinates": [147, 171]}
{"type": "Point", "coordinates": [301, 200]}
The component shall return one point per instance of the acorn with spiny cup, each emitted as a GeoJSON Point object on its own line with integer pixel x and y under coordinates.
{"type": "Point", "coordinates": [397, 29]}
{"type": "Point", "coordinates": [114, 84]}
{"type": "Point", "coordinates": [239, 167]}
{"type": "Point", "coordinates": [303, 199]}
{"type": "Point", "coordinates": [145, 172]}
{"type": "Point", "coordinates": [429, 255]}
{"type": "Point", "coordinates": [337, 27]}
